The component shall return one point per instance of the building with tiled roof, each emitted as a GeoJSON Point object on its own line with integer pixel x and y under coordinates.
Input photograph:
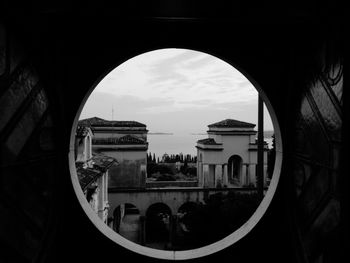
{"type": "Point", "coordinates": [229, 155]}
{"type": "Point", "coordinates": [92, 171]}
{"type": "Point", "coordinates": [99, 122]}
{"type": "Point", "coordinates": [83, 137]}
{"type": "Point", "coordinates": [82, 131]}
{"type": "Point", "coordinates": [231, 126]}
{"type": "Point", "coordinates": [126, 141]}
{"type": "Point", "coordinates": [115, 129]}
{"type": "Point", "coordinates": [231, 123]}
{"type": "Point", "coordinates": [208, 141]}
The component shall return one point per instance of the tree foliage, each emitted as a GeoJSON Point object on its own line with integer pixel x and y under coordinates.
{"type": "Point", "coordinates": [220, 216]}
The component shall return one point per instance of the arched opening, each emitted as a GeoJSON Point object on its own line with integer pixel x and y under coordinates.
{"type": "Point", "coordinates": [158, 224]}
{"type": "Point", "coordinates": [187, 216]}
{"type": "Point", "coordinates": [234, 164]}
{"type": "Point", "coordinates": [126, 222]}
{"type": "Point", "coordinates": [185, 213]}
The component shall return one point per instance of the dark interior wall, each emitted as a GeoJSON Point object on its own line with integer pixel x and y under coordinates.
{"type": "Point", "coordinates": [315, 163]}
{"type": "Point", "coordinates": [28, 153]}
{"type": "Point", "coordinates": [52, 55]}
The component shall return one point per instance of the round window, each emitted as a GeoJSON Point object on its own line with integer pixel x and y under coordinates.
{"type": "Point", "coordinates": [175, 154]}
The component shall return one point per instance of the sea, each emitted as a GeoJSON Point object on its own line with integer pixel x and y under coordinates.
{"type": "Point", "coordinates": [172, 143]}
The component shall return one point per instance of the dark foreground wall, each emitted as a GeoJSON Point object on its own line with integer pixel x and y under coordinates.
{"type": "Point", "coordinates": [51, 54]}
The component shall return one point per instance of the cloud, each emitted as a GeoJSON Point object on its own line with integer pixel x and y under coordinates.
{"type": "Point", "coordinates": [166, 85]}
{"type": "Point", "coordinates": [124, 107]}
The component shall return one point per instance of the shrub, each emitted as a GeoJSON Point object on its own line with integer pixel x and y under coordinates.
{"type": "Point", "coordinates": [220, 216]}
{"type": "Point", "coordinates": [153, 168]}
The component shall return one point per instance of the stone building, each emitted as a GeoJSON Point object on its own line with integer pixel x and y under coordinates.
{"type": "Point", "coordinates": [126, 141]}
{"type": "Point", "coordinates": [92, 171]}
{"type": "Point", "coordinates": [228, 157]}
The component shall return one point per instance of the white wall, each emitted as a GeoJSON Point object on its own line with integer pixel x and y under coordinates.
{"type": "Point", "coordinates": [126, 155]}
{"type": "Point", "coordinates": [232, 145]}
{"type": "Point", "coordinates": [236, 145]}
{"type": "Point", "coordinates": [129, 171]}
{"type": "Point", "coordinates": [212, 157]}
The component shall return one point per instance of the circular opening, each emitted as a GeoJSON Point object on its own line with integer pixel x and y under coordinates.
{"type": "Point", "coordinates": [128, 189]}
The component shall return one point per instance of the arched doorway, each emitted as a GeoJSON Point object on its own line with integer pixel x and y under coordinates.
{"type": "Point", "coordinates": [158, 217]}
{"type": "Point", "coordinates": [234, 164]}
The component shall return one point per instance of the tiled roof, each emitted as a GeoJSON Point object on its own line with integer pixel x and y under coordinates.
{"type": "Point", "coordinates": [125, 140]}
{"type": "Point", "coordinates": [81, 131]}
{"type": "Point", "coordinates": [103, 162]}
{"type": "Point", "coordinates": [98, 122]}
{"type": "Point", "coordinates": [231, 123]}
{"type": "Point", "coordinates": [208, 141]}
{"type": "Point", "coordinates": [128, 139]}
{"type": "Point", "coordinates": [88, 175]}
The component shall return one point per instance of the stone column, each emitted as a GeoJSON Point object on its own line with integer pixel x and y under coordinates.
{"type": "Point", "coordinates": [252, 173]}
{"type": "Point", "coordinates": [200, 174]}
{"type": "Point", "coordinates": [172, 230]}
{"type": "Point", "coordinates": [265, 175]}
{"type": "Point", "coordinates": [218, 175]}
{"type": "Point", "coordinates": [247, 173]}
{"type": "Point", "coordinates": [100, 203]}
{"type": "Point", "coordinates": [104, 197]}
{"type": "Point", "coordinates": [205, 175]}
{"type": "Point", "coordinates": [142, 236]}
{"type": "Point", "coordinates": [243, 179]}
{"type": "Point", "coordinates": [225, 178]}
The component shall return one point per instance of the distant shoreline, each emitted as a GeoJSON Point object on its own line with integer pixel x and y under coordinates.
{"type": "Point", "coordinates": [269, 133]}
{"type": "Point", "coordinates": [160, 133]}
{"type": "Point", "coordinates": [266, 133]}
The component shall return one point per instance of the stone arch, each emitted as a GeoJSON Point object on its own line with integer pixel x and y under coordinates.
{"type": "Point", "coordinates": [234, 169]}
{"type": "Point", "coordinates": [88, 147]}
{"type": "Point", "coordinates": [184, 212]}
{"type": "Point", "coordinates": [187, 217]}
{"type": "Point", "coordinates": [157, 226]}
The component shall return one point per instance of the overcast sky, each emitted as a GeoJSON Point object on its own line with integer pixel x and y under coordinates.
{"type": "Point", "coordinates": [175, 90]}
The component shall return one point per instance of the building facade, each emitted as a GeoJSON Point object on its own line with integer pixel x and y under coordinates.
{"type": "Point", "coordinates": [92, 171]}
{"type": "Point", "coordinates": [126, 141]}
{"type": "Point", "coordinates": [228, 157]}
